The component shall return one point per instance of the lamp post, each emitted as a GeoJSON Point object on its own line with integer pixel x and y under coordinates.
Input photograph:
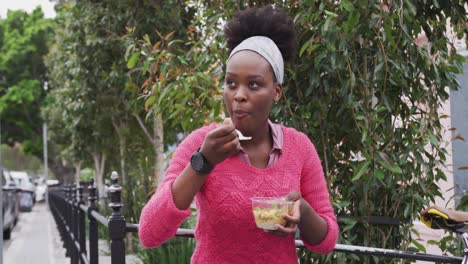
{"type": "Point", "coordinates": [46, 169]}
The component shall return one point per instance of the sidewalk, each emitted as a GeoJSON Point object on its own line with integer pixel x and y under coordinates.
{"type": "Point", "coordinates": [35, 239]}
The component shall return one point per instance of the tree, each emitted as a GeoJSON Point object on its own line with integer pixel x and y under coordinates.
{"type": "Point", "coordinates": [373, 88]}
{"type": "Point", "coordinates": [81, 99]}
{"type": "Point", "coordinates": [24, 41]}
{"type": "Point", "coordinates": [182, 87]}
{"type": "Point", "coordinates": [89, 82]}
{"type": "Point", "coordinates": [88, 60]}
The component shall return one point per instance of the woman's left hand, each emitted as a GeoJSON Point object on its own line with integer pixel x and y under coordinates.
{"type": "Point", "coordinates": [293, 219]}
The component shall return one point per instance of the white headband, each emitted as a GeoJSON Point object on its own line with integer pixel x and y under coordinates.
{"type": "Point", "coordinates": [267, 49]}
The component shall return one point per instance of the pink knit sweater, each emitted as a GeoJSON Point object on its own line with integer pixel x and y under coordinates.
{"type": "Point", "coordinates": [226, 230]}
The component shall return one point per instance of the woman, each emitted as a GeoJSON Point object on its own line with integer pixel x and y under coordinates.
{"type": "Point", "coordinates": [222, 173]}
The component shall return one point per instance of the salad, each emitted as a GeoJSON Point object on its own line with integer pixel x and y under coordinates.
{"type": "Point", "coordinates": [266, 218]}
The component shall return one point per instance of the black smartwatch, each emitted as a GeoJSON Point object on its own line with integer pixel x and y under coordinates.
{"type": "Point", "coordinates": [199, 163]}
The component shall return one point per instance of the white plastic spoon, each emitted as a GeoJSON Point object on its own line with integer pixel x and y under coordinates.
{"type": "Point", "coordinates": [228, 121]}
{"type": "Point", "coordinates": [242, 137]}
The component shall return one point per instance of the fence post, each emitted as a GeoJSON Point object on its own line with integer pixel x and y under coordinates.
{"type": "Point", "coordinates": [56, 202]}
{"type": "Point", "coordinates": [116, 222]}
{"type": "Point", "coordinates": [81, 223]}
{"type": "Point", "coordinates": [74, 225]}
{"type": "Point", "coordinates": [93, 225]}
{"type": "Point", "coordinates": [68, 220]}
{"type": "Point", "coordinates": [64, 211]}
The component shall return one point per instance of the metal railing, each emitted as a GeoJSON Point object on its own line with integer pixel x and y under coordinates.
{"type": "Point", "coordinates": [70, 211]}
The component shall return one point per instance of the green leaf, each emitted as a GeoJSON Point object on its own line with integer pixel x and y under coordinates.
{"type": "Point", "coordinates": [378, 68]}
{"type": "Point", "coordinates": [413, 249]}
{"type": "Point", "coordinates": [364, 135]}
{"type": "Point", "coordinates": [331, 13]}
{"type": "Point", "coordinates": [352, 22]}
{"type": "Point", "coordinates": [145, 65]}
{"type": "Point", "coordinates": [388, 164]}
{"type": "Point", "coordinates": [433, 139]}
{"type": "Point", "coordinates": [362, 168]}
{"type": "Point", "coordinates": [350, 223]}
{"type": "Point", "coordinates": [327, 24]}
{"type": "Point", "coordinates": [418, 245]}
{"type": "Point", "coordinates": [150, 101]}
{"type": "Point", "coordinates": [411, 8]}
{"type": "Point", "coordinates": [133, 60]}
{"type": "Point", "coordinates": [127, 51]}
{"type": "Point", "coordinates": [352, 82]}
{"type": "Point", "coordinates": [346, 5]}
{"type": "Point", "coordinates": [311, 48]}
{"type": "Point", "coordinates": [379, 174]}
{"type": "Point", "coordinates": [304, 47]}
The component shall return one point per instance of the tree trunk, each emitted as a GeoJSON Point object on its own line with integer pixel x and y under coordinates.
{"type": "Point", "coordinates": [119, 129]}
{"type": "Point", "coordinates": [77, 171]}
{"type": "Point", "coordinates": [99, 165]}
{"type": "Point", "coordinates": [157, 141]}
{"type": "Point", "coordinates": [158, 146]}
{"type": "Point", "coordinates": [61, 169]}
{"type": "Point", "coordinates": [62, 172]}
{"type": "Point", "coordinates": [122, 145]}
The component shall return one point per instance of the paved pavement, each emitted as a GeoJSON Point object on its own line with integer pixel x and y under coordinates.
{"type": "Point", "coordinates": [35, 239]}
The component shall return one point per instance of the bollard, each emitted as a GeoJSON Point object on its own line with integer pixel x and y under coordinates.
{"type": "Point", "coordinates": [116, 222]}
{"type": "Point", "coordinates": [93, 225]}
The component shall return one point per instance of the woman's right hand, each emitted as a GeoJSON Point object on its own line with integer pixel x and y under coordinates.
{"type": "Point", "coordinates": [220, 143]}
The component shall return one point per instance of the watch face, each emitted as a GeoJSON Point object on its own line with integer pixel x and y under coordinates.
{"type": "Point", "coordinates": [197, 161]}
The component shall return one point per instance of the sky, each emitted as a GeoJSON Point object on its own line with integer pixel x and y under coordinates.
{"type": "Point", "coordinates": [28, 6]}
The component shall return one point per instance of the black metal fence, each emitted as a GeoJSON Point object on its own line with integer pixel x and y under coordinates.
{"type": "Point", "coordinates": [70, 210]}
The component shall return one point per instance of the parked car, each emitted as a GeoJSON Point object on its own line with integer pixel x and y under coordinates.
{"type": "Point", "coordinates": [10, 212]}
{"type": "Point", "coordinates": [28, 190]}
{"type": "Point", "coordinates": [41, 189]}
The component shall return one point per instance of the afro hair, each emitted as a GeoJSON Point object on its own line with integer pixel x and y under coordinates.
{"type": "Point", "coordinates": [268, 21]}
